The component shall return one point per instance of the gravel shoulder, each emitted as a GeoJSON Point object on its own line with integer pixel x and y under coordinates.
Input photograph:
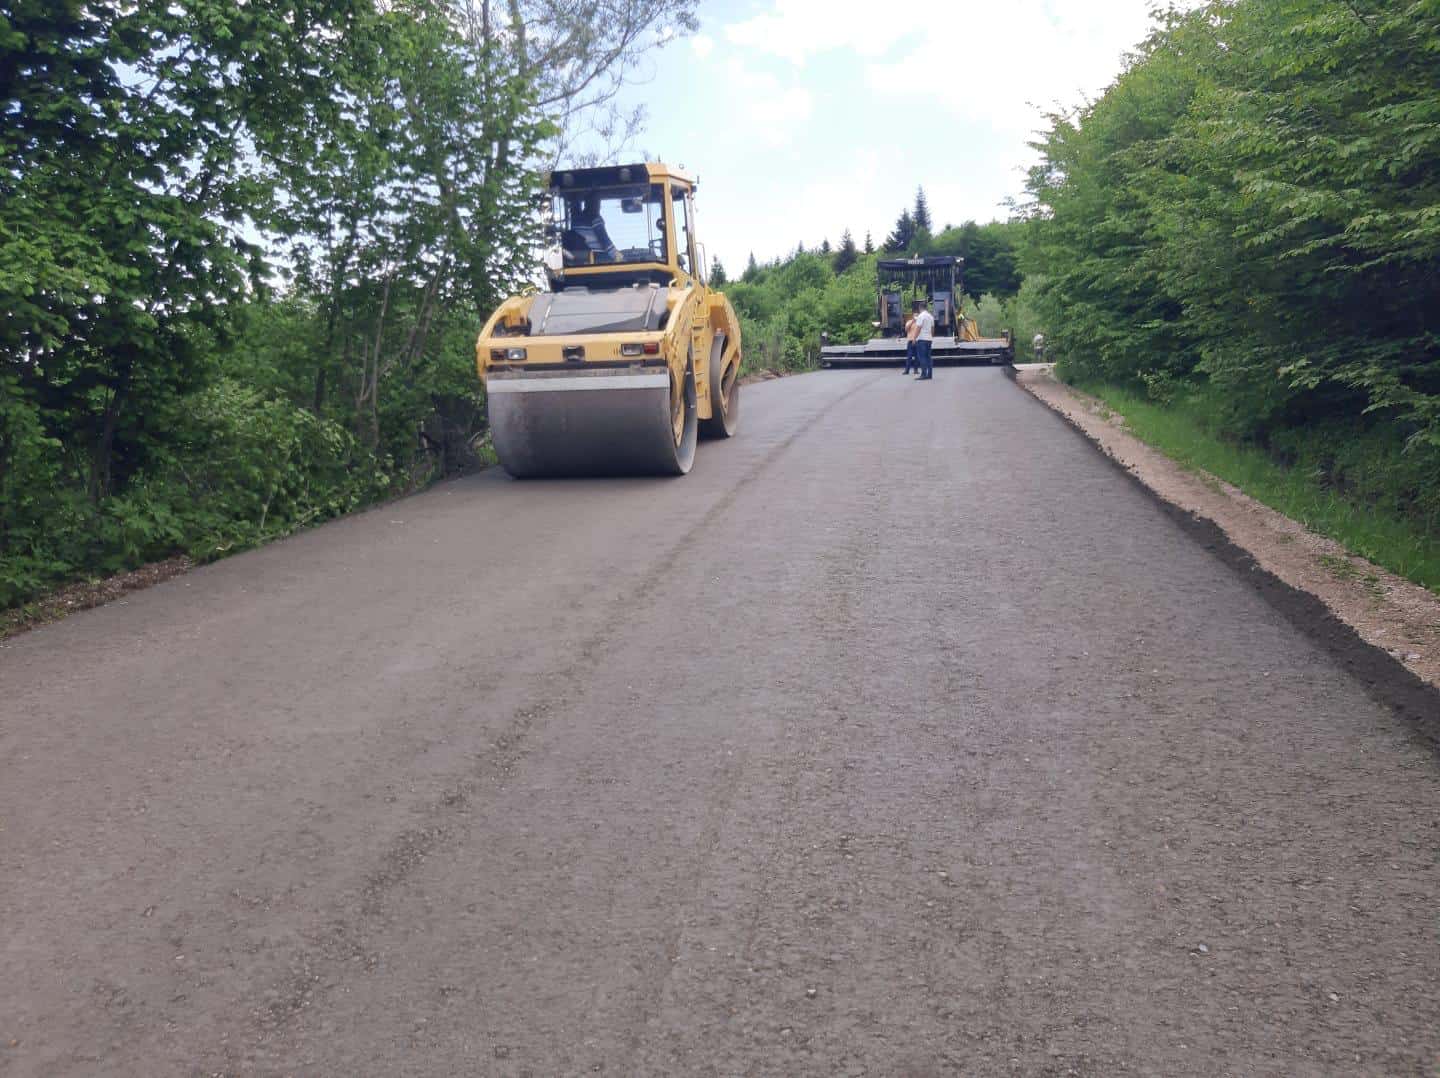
{"type": "Point", "coordinates": [1386, 611]}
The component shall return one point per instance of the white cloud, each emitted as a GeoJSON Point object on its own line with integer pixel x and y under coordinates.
{"type": "Point", "coordinates": [703, 45]}
{"type": "Point", "coordinates": [798, 29]}
{"type": "Point", "coordinates": [1000, 63]}
{"type": "Point", "coordinates": [1009, 63]}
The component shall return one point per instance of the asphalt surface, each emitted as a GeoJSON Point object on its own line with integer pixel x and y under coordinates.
{"type": "Point", "coordinates": [904, 736]}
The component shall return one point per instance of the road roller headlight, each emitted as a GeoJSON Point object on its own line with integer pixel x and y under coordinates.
{"type": "Point", "coordinates": [638, 348]}
{"type": "Point", "coordinates": [507, 355]}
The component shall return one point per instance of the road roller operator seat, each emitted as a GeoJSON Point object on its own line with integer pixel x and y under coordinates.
{"type": "Point", "coordinates": [587, 235]}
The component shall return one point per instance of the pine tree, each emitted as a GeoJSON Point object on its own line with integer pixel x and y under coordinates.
{"type": "Point", "coordinates": [921, 215]}
{"type": "Point", "coordinates": [717, 274]}
{"type": "Point", "coordinates": [869, 244]}
{"type": "Point", "coordinates": [904, 234]}
{"type": "Point", "coordinates": [751, 269]}
{"type": "Point", "coordinates": [799, 248]}
{"type": "Point", "coordinates": [846, 255]}
{"type": "Point", "coordinates": [825, 247]}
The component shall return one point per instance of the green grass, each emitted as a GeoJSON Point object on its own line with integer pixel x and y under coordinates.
{"type": "Point", "coordinates": [1182, 432]}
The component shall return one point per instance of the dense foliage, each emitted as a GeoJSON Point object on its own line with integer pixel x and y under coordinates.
{"type": "Point", "coordinates": [244, 249]}
{"type": "Point", "coordinates": [1249, 219]}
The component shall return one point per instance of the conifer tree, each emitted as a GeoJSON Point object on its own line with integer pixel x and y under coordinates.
{"type": "Point", "coordinates": [847, 254]}
{"type": "Point", "coordinates": [921, 216]}
{"type": "Point", "coordinates": [904, 234]}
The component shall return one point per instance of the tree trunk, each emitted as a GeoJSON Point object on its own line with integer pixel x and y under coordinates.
{"type": "Point", "coordinates": [105, 445]}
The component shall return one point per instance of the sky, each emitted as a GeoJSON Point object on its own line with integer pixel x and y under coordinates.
{"type": "Point", "coordinates": [804, 117]}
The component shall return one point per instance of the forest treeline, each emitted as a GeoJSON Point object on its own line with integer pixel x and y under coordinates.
{"type": "Point", "coordinates": [1246, 227]}
{"type": "Point", "coordinates": [244, 249]}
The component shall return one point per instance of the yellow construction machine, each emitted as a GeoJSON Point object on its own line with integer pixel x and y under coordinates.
{"type": "Point", "coordinates": [627, 357]}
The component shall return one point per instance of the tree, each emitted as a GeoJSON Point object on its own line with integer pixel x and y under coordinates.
{"type": "Point", "coordinates": [580, 56]}
{"type": "Point", "coordinates": [1249, 210]}
{"type": "Point", "coordinates": [717, 274]}
{"type": "Point", "coordinates": [921, 216]}
{"type": "Point", "coordinates": [400, 217]}
{"type": "Point", "coordinates": [846, 256]}
{"type": "Point", "coordinates": [990, 254]}
{"type": "Point", "coordinates": [869, 244]}
{"type": "Point", "coordinates": [123, 197]}
{"type": "Point", "coordinates": [903, 236]}
{"type": "Point", "coordinates": [752, 269]}
{"type": "Point", "coordinates": [825, 248]}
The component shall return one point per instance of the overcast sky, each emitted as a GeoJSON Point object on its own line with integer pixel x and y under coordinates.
{"type": "Point", "coordinates": [803, 117]}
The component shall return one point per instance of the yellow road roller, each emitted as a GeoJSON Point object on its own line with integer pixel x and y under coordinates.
{"type": "Point", "coordinates": [627, 358]}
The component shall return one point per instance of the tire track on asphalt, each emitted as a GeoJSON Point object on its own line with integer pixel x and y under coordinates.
{"type": "Point", "coordinates": [339, 944]}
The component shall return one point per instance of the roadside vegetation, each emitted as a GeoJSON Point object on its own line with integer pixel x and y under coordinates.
{"type": "Point", "coordinates": [1364, 516]}
{"type": "Point", "coordinates": [1238, 247]}
{"type": "Point", "coordinates": [244, 249]}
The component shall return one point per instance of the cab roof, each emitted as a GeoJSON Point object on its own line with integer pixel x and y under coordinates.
{"type": "Point", "coordinates": [615, 175]}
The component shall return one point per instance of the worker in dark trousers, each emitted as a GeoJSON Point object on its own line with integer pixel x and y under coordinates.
{"type": "Point", "coordinates": [925, 342]}
{"type": "Point", "coordinates": [911, 362]}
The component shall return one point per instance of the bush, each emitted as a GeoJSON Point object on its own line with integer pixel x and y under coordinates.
{"type": "Point", "coordinates": [238, 467]}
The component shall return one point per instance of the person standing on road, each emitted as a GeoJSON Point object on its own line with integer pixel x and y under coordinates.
{"type": "Point", "coordinates": [1039, 345]}
{"type": "Point", "coordinates": [925, 341]}
{"type": "Point", "coordinates": [910, 361]}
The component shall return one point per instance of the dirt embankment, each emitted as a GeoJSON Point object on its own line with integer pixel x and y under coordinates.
{"type": "Point", "coordinates": [89, 593]}
{"type": "Point", "coordinates": [1386, 611]}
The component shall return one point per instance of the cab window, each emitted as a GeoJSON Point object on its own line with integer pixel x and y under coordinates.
{"type": "Point", "coordinates": [681, 202]}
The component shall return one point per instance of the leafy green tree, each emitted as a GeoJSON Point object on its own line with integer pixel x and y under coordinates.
{"type": "Point", "coordinates": [1247, 217]}
{"type": "Point", "coordinates": [717, 274]}
{"type": "Point", "coordinates": [400, 219]}
{"type": "Point", "coordinates": [991, 253]}
{"type": "Point", "coordinates": [752, 269]}
{"type": "Point", "coordinates": [846, 255]}
{"type": "Point", "coordinates": [125, 182]}
{"type": "Point", "coordinates": [869, 245]}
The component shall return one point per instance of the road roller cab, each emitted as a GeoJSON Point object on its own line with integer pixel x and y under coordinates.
{"type": "Point", "coordinates": [627, 357]}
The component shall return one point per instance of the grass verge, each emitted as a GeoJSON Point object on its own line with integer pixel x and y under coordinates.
{"type": "Point", "coordinates": [1181, 432]}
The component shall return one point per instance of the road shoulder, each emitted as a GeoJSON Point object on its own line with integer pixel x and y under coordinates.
{"type": "Point", "coordinates": [1387, 612]}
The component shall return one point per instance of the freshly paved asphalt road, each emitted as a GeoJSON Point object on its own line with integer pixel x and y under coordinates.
{"type": "Point", "coordinates": [904, 736]}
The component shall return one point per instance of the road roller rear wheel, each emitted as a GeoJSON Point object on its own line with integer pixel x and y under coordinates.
{"type": "Point", "coordinates": [724, 394]}
{"type": "Point", "coordinates": [684, 420]}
